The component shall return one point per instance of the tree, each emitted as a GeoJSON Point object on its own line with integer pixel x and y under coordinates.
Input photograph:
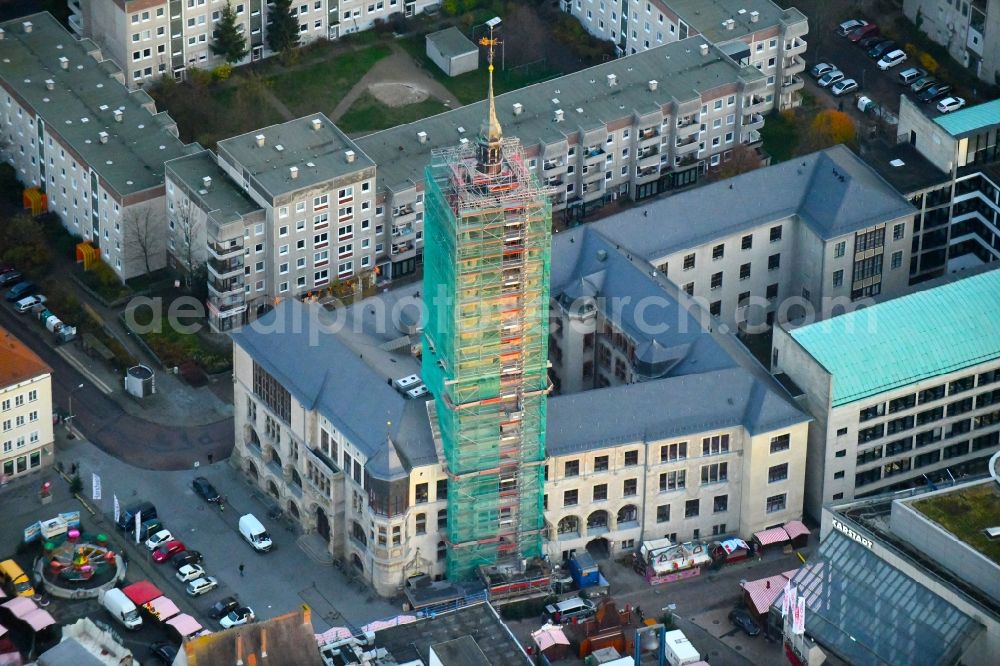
{"type": "Point", "coordinates": [829, 128]}
{"type": "Point", "coordinates": [227, 40]}
{"type": "Point", "coordinates": [142, 234]}
{"type": "Point", "coordinates": [22, 243]}
{"type": "Point", "coordinates": [283, 28]}
{"type": "Point", "coordinates": [189, 254]}
{"type": "Point", "coordinates": [743, 159]}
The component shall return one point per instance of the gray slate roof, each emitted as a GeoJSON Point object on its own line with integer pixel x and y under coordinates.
{"type": "Point", "coordinates": [224, 200]}
{"type": "Point", "coordinates": [69, 652]}
{"type": "Point", "coordinates": [584, 96]}
{"type": "Point", "coordinates": [832, 191]}
{"type": "Point", "coordinates": [296, 344]}
{"type": "Point", "coordinates": [82, 104]}
{"type": "Point", "coordinates": [450, 42]}
{"type": "Point", "coordinates": [706, 16]}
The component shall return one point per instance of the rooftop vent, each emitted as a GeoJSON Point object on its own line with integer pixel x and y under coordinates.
{"type": "Point", "coordinates": [704, 49]}
{"type": "Point", "coordinates": [558, 115]}
{"type": "Point", "coordinates": [461, 130]}
{"type": "Point", "coordinates": [260, 138]}
{"type": "Point", "coordinates": [422, 137]}
{"type": "Point", "coordinates": [463, 141]}
{"type": "Point", "coordinates": [206, 182]}
{"type": "Point", "coordinates": [317, 124]}
{"type": "Point", "coordinates": [518, 108]}
{"type": "Point", "coordinates": [293, 172]}
{"type": "Point", "coordinates": [1, 33]}
{"type": "Point", "coordinates": [118, 115]}
{"type": "Point", "coordinates": [652, 85]}
{"type": "Point", "coordinates": [102, 137]}
{"type": "Point", "coordinates": [555, 101]}
{"type": "Point", "coordinates": [27, 26]}
{"type": "Point", "coordinates": [612, 80]}
{"type": "Point", "coordinates": [50, 84]}
{"type": "Point", "coordinates": [349, 156]}
{"type": "Point", "coordinates": [279, 147]}
{"type": "Point", "coordinates": [64, 62]}
{"type": "Point", "coordinates": [602, 255]}
{"type": "Point", "coordinates": [754, 17]}
{"type": "Point", "coordinates": [729, 24]}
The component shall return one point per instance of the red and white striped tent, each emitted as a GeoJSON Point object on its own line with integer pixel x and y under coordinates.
{"type": "Point", "coordinates": [775, 535]}
{"type": "Point", "coordinates": [758, 595]}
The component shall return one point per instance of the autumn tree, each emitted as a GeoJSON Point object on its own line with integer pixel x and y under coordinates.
{"type": "Point", "coordinates": [22, 243]}
{"type": "Point", "coordinates": [743, 159]}
{"type": "Point", "coordinates": [829, 128]}
{"type": "Point", "coordinates": [227, 40]}
{"type": "Point", "coordinates": [283, 28]}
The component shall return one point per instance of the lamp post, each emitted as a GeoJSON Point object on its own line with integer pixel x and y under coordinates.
{"type": "Point", "coordinates": [72, 391]}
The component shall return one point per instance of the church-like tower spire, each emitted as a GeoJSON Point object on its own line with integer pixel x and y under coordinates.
{"type": "Point", "coordinates": [491, 135]}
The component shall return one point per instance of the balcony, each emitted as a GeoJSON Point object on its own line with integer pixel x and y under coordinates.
{"type": "Point", "coordinates": [795, 47]}
{"type": "Point", "coordinates": [220, 287]}
{"type": "Point", "coordinates": [753, 121]}
{"type": "Point", "coordinates": [757, 104]}
{"type": "Point", "coordinates": [646, 172]}
{"type": "Point", "coordinates": [552, 165]}
{"type": "Point", "coordinates": [792, 84]}
{"type": "Point", "coordinates": [400, 211]}
{"type": "Point", "coordinates": [686, 147]}
{"type": "Point", "coordinates": [649, 133]}
{"type": "Point", "coordinates": [554, 181]}
{"type": "Point", "coordinates": [225, 249]}
{"type": "Point", "coordinates": [402, 247]}
{"type": "Point", "coordinates": [402, 230]}
{"type": "Point", "coordinates": [648, 153]}
{"type": "Point", "coordinates": [593, 152]}
{"type": "Point", "coordinates": [752, 138]}
{"type": "Point", "coordinates": [687, 161]}
{"type": "Point", "coordinates": [227, 304]}
{"type": "Point", "coordinates": [688, 127]}
{"type": "Point", "coordinates": [223, 268]}
{"type": "Point", "coordinates": [76, 22]}
{"type": "Point", "coordinates": [794, 66]}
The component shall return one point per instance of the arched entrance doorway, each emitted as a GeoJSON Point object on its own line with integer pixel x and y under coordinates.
{"type": "Point", "coordinates": [252, 469]}
{"type": "Point", "coordinates": [322, 523]}
{"type": "Point", "coordinates": [272, 488]}
{"type": "Point", "coordinates": [293, 509]}
{"type": "Point", "coordinates": [599, 548]}
{"type": "Point", "coordinates": [356, 561]}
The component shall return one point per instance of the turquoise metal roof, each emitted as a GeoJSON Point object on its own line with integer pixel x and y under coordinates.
{"type": "Point", "coordinates": [908, 339]}
{"type": "Point", "coordinates": [971, 118]}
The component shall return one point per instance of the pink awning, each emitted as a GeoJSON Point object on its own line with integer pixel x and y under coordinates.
{"type": "Point", "coordinates": [378, 625]}
{"type": "Point", "coordinates": [773, 535]}
{"type": "Point", "coordinates": [20, 607]}
{"type": "Point", "coordinates": [765, 591]}
{"type": "Point", "coordinates": [334, 634]}
{"type": "Point", "coordinates": [162, 608]}
{"type": "Point", "coordinates": [546, 637]}
{"type": "Point", "coordinates": [185, 624]}
{"type": "Point", "coordinates": [795, 528]}
{"type": "Point", "coordinates": [142, 593]}
{"type": "Point", "coordinates": [38, 619]}
{"type": "Point", "coordinates": [3, 630]}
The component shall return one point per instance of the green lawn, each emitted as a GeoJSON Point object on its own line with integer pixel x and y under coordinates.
{"type": "Point", "coordinates": [368, 114]}
{"type": "Point", "coordinates": [966, 514]}
{"type": "Point", "coordinates": [321, 85]}
{"type": "Point", "coordinates": [780, 136]}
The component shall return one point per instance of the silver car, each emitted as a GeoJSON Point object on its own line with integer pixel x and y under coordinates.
{"type": "Point", "coordinates": [830, 78]}
{"type": "Point", "coordinates": [200, 586]}
{"type": "Point", "coordinates": [843, 87]}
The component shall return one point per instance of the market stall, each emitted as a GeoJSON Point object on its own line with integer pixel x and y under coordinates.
{"type": "Point", "coordinates": [797, 532]}
{"type": "Point", "coordinates": [758, 595]}
{"type": "Point", "coordinates": [162, 608]}
{"type": "Point", "coordinates": [659, 563]}
{"type": "Point", "coordinates": [142, 593]}
{"type": "Point", "coordinates": [185, 625]}
{"type": "Point", "coordinates": [776, 537]}
{"type": "Point", "coordinates": [731, 550]}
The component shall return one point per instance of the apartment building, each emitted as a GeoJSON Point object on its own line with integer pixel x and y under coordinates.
{"type": "Point", "coordinates": [757, 33]}
{"type": "Point", "coordinates": [903, 392]}
{"type": "Point", "coordinates": [290, 211]}
{"type": "Point", "coordinates": [829, 232]}
{"type": "Point", "coordinates": [151, 38]}
{"type": "Point", "coordinates": [967, 28]}
{"type": "Point", "coordinates": [634, 127]}
{"type": "Point", "coordinates": [28, 444]}
{"type": "Point", "coordinates": [72, 129]}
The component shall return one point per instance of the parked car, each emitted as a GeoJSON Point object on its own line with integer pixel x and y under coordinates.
{"type": "Point", "coordinates": [830, 78]}
{"type": "Point", "coordinates": [10, 276]}
{"type": "Point", "coordinates": [742, 619]}
{"type": "Point", "coordinates": [871, 41]}
{"type": "Point", "coordinates": [223, 607]}
{"type": "Point", "coordinates": [858, 34]}
{"type": "Point", "coordinates": [237, 616]}
{"type": "Point", "coordinates": [922, 84]}
{"type": "Point", "coordinates": [891, 59]}
{"type": "Point", "coordinates": [949, 104]}
{"type": "Point", "coordinates": [165, 653]}
{"type": "Point", "coordinates": [200, 586]}
{"type": "Point", "coordinates": [204, 489]}
{"type": "Point", "coordinates": [168, 550]}
{"type": "Point", "coordinates": [911, 74]}
{"type": "Point", "coordinates": [186, 557]}
{"type": "Point", "coordinates": [820, 68]}
{"type": "Point", "coordinates": [159, 538]}
{"type": "Point", "coordinates": [880, 48]}
{"type": "Point", "coordinates": [936, 91]}
{"type": "Point", "coordinates": [843, 87]}
{"type": "Point", "coordinates": [29, 302]}
{"type": "Point", "coordinates": [20, 290]}
{"type": "Point", "coordinates": [189, 572]}
{"type": "Point", "coordinates": [850, 25]}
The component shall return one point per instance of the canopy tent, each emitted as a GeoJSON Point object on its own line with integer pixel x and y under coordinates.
{"type": "Point", "coordinates": [761, 593]}
{"type": "Point", "coordinates": [162, 608]}
{"type": "Point", "coordinates": [549, 636]}
{"type": "Point", "coordinates": [378, 625]}
{"type": "Point", "coordinates": [38, 619]}
{"type": "Point", "coordinates": [797, 532]}
{"type": "Point", "coordinates": [20, 607]}
{"type": "Point", "coordinates": [333, 634]}
{"type": "Point", "coordinates": [185, 624]}
{"type": "Point", "coordinates": [771, 536]}
{"type": "Point", "coordinates": [142, 593]}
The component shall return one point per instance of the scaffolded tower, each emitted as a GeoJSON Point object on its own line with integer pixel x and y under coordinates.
{"type": "Point", "coordinates": [485, 349]}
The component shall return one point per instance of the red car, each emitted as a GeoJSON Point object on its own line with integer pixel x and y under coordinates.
{"type": "Point", "coordinates": [858, 34]}
{"type": "Point", "coordinates": [168, 550]}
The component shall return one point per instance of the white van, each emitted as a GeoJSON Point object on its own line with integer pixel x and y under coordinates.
{"type": "Point", "coordinates": [121, 608]}
{"type": "Point", "coordinates": [576, 608]}
{"type": "Point", "coordinates": [254, 533]}
{"type": "Point", "coordinates": [679, 649]}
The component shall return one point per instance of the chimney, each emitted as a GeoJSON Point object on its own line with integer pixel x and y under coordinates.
{"type": "Point", "coordinates": [64, 62]}
{"type": "Point", "coordinates": [260, 140]}
{"type": "Point", "coordinates": [558, 116]}
{"type": "Point", "coordinates": [293, 172]}
{"type": "Point", "coordinates": [118, 115]}
{"type": "Point", "coordinates": [768, 585]}
{"type": "Point", "coordinates": [50, 84]}
{"type": "Point", "coordinates": [612, 80]}
{"type": "Point", "coordinates": [349, 156]}
{"type": "Point", "coordinates": [307, 616]}
{"type": "Point", "coordinates": [239, 650]}
{"type": "Point", "coordinates": [2, 33]}
{"type": "Point", "coordinates": [729, 24]}
{"type": "Point", "coordinates": [206, 182]}
{"type": "Point", "coordinates": [27, 27]}
{"type": "Point", "coordinates": [704, 49]}
{"type": "Point", "coordinates": [102, 137]}
{"type": "Point", "coordinates": [317, 124]}
{"type": "Point", "coordinates": [422, 137]}
{"type": "Point", "coordinates": [652, 85]}
{"type": "Point", "coordinates": [518, 108]}
{"type": "Point", "coordinates": [263, 643]}
{"type": "Point", "coordinates": [754, 16]}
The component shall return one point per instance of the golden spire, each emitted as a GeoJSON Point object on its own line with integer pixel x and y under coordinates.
{"type": "Point", "coordinates": [493, 132]}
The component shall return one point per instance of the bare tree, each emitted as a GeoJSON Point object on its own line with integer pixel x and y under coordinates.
{"type": "Point", "coordinates": [189, 242]}
{"type": "Point", "coordinates": [142, 234]}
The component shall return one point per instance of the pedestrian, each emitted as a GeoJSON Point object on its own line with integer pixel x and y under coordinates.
{"type": "Point", "coordinates": [241, 570]}
{"type": "Point", "coordinates": [211, 457]}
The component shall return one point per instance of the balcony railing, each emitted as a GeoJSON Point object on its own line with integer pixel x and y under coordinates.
{"type": "Point", "coordinates": [753, 121]}
{"type": "Point", "coordinates": [225, 249]}
{"type": "Point", "coordinates": [549, 165]}
{"type": "Point", "coordinates": [400, 248]}
{"type": "Point", "coordinates": [227, 303]}
{"type": "Point", "coordinates": [795, 46]}
{"type": "Point", "coordinates": [651, 151]}
{"type": "Point", "coordinates": [685, 147]}
{"type": "Point", "coordinates": [403, 210]}
{"type": "Point", "coordinates": [224, 287]}
{"type": "Point", "coordinates": [593, 151]}
{"type": "Point", "coordinates": [649, 133]}
{"type": "Point", "coordinates": [792, 84]}
{"type": "Point", "coordinates": [225, 267]}
{"type": "Point", "coordinates": [648, 171]}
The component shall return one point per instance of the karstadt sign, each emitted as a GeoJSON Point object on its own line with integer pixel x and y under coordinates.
{"type": "Point", "coordinates": [867, 543]}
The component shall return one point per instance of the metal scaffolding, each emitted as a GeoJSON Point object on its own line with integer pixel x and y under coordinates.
{"type": "Point", "coordinates": [486, 277]}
